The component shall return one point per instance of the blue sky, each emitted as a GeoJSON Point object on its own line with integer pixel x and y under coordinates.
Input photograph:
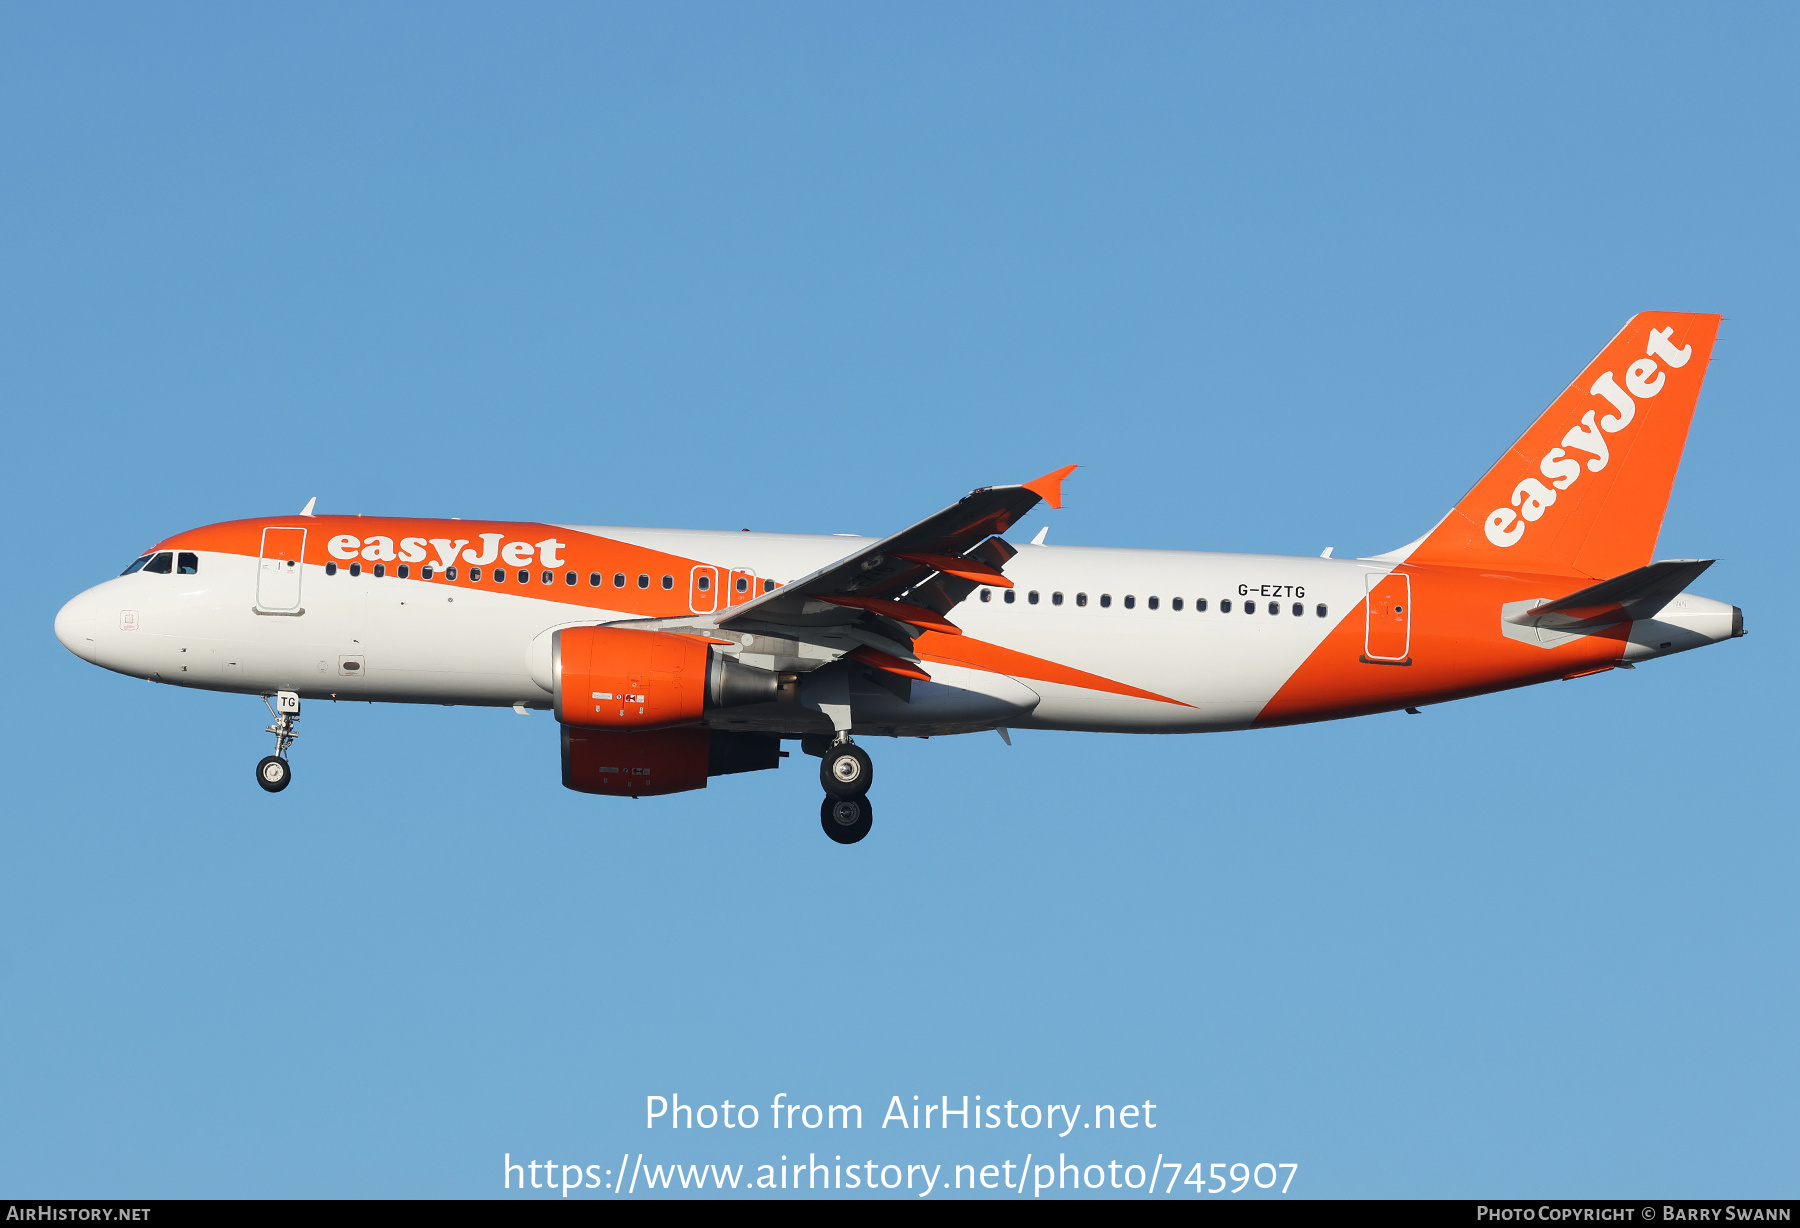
{"type": "Point", "coordinates": [1277, 277]}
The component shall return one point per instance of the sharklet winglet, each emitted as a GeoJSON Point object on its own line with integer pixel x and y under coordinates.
{"type": "Point", "coordinates": [1049, 487]}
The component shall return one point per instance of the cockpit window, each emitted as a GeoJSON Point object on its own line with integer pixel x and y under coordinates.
{"type": "Point", "coordinates": [136, 565]}
{"type": "Point", "coordinates": [161, 563]}
{"type": "Point", "coordinates": [187, 564]}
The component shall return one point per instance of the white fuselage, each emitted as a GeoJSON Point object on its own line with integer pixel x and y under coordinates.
{"type": "Point", "coordinates": [1110, 613]}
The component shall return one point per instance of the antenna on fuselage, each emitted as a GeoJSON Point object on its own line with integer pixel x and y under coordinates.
{"type": "Point", "coordinates": [308, 509]}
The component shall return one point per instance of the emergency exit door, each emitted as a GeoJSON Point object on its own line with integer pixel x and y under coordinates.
{"type": "Point", "coordinates": [1387, 636]}
{"type": "Point", "coordinates": [703, 589]}
{"type": "Point", "coordinates": [278, 573]}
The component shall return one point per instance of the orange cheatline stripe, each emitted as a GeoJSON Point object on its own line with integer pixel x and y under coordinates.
{"type": "Point", "coordinates": [979, 654]}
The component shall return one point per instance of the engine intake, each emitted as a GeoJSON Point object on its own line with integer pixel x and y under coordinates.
{"type": "Point", "coordinates": [617, 678]}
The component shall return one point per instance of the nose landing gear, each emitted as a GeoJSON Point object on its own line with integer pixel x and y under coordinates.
{"type": "Point", "coordinates": [273, 773]}
{"type": "Point", "coordinates": [846, 772]}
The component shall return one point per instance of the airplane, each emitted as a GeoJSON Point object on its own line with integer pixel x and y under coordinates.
{"type": "Point", "coordinates": [671, 656]}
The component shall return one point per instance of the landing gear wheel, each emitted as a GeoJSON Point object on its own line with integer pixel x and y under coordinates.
{"type": "Point", "coordinates": [846, 819]}
{"type": "Point", "coordinates": [273, 773]}
{"type": "Point", "coordinates": [846, 771]}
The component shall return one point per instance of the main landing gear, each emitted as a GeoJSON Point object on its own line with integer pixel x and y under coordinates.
{"type": "Point", "coordinates": [273, 772]}
{"type": "Point", "coordinates": [846, 772]}
{"type": "Point", "coordinates": [846, 819]}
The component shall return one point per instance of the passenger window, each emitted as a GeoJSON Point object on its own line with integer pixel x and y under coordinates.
{"type": "Point", "coordinates": [403, 571]}
{"type": "Point", "coordinates": [1174, 603]}
{"type": "Point", "coordinates": [137, 565]}
{"type": "Point", "coordinates": [425, 572]}
{"type": "Point", "coordinates": [643, 581]}
{"type": "Point", "coordinates": [1055, 598]}
{"type": "Point", "coordinates": [380, 569]}
{"type": "Point", "coordinates": [499, 575]}
{"type": "Point", "coordinates": [768, 586]}
{"type": "Point", "coordinates": [742, 584]}
{"type": "Point", "coordinates": [1299, 609]}
{"type": "Point", "coordinates": [1225, 606]}
{"type": "Point", "coordinates": [187, 564]}
{"type": "Point", "coordinates": [1031, 598]}
{"type": "Point", "coordinates": [668, 581]}
{"type": "Point", "coordinates": [161, 563]}
{"type": "Point", "coordinates": [987, 594]}
{"type": "Point", "coordinates": [1130, 602]}
{"type": "Point", "coordinates": [549, 577]}
{"type": "Point", "coordinates": [1274, 607]}
{"type": "Point", "coordinates": [1200, 606]}
{"type": "Point", "coordinates": [1105, 600]}
{"type": "Point", "coordinates": [618, 579]}
{"type": "Point", "coordinates": [450, 573]}
{"type": "Point", "coordinates": [1249, 607]}
{"type": "Point", "coordinates": [1321, 609]}
{"type": "Point", "coordinates": [1151, 603]}
{"type": "Point", "coordinates": [356, 569]}
{"type": "Point", "coordinates": [331, 569]}
{"type": "Point", "coordinates": [704, 583]}
{"type": "Point", "coordinates": [593, 579]}
{"type": "Point", "coordinates": [569, 578]}
{"type": "Point", "coordinates": [1081, 599]}
{"type": "Point", "coordinates": [1011, 596]}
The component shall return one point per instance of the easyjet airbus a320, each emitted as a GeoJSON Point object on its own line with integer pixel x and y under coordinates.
{"type": "Point", "coordinates": [672, 656]}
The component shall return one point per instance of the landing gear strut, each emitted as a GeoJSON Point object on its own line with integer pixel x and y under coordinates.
{"type": "Point", "coordinates": [273, 772]}
{"type": "Point", "coordinates": [846, 772]}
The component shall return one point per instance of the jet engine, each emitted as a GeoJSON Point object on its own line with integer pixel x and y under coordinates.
{"type": "Point", "coordinates": [617, 678]}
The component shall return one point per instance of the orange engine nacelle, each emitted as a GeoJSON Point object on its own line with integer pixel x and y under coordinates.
{"type": "Point", "coordinates": [615, 678]}
{"type": "Point", "coordinates": [661, 760]}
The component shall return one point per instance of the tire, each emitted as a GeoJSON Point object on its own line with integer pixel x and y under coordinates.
{"type": "Point", "coordinates": [846, 771]}
{"type": "Point", "coordinates": [846, 819]}
{"type": "Point", "coordinates": [273, 773]}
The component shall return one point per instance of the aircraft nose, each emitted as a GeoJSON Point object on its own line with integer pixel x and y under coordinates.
{"type": "Point", "coordinates": [77, 624]}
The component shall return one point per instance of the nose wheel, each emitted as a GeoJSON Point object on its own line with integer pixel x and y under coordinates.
{"type": "Point", "coordinates": [273, 772]}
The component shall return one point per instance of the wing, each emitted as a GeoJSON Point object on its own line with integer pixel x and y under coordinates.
{"type": "Point", "coordinates": [912, 580]}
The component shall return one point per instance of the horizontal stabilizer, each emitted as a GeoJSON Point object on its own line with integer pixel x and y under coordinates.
{"type": "Point", "coordinates": [1638, 594]}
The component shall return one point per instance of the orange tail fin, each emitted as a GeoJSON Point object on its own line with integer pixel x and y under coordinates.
{"type": "Point", "coordinates": [1583, 490]}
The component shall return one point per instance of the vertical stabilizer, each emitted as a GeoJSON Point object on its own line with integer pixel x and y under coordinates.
{"type": "Point", "coordinates": [1583, 490]}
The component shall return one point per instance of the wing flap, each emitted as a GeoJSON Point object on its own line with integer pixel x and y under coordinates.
{"type": "Point", "coordinates": [891, 577]}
